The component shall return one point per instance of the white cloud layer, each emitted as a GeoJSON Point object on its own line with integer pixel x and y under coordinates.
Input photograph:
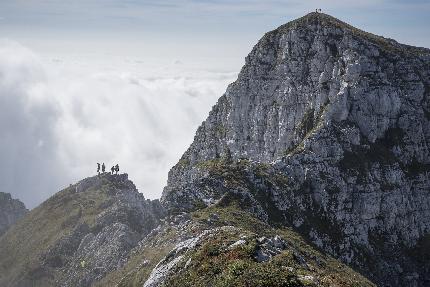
{"type": "Point", "coordinates": [58, 118]}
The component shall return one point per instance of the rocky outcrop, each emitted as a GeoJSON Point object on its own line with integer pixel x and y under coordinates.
{"type": "Point", "coordinates": [226, 246]}
{"type": "Point", "coordinates": [10, 211]}
{"type": "Point", "coordinates": [91, 252]}
{"type": "Point", "coordinates": [79, 235]}
{"type": "Point", "coordinates": [344, 117]}
{"type": "Point", "coordinates": [166, 267]}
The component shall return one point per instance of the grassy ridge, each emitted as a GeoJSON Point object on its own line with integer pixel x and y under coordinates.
{"type": "Point", "coordinates": [212, 263]}
{"type": "Point", "coordinates": [24, 244]}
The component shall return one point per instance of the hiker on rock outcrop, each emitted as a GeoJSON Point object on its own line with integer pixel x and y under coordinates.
{"type": "Point", "coordinates": [103, 168]}
{"type": "Point", "coordinates": [98, 168]}
{"type": "Point", "coordinates": [112, 169]}
{"type": "Point", "coordinates": [116, 168]}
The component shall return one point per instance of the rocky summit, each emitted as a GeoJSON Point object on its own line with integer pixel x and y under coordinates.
{"type": "Point", "coordinates": [313, 169]}
{"type": "Point", "coordinates": [10, 211]}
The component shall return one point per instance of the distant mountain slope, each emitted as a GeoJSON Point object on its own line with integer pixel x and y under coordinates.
{"type": "Point", "coordinates": [344, 116]}
{"type": "Point", "coordinates": [10, 211]}
{"type": "Point", "coordinates": [78, 235]}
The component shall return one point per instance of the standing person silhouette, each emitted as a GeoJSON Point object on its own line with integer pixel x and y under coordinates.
{"type": "Point", "coordinates": [103, 168]}
{"type": "Point", "coordinates": [112, 169]}
{"type": "Point", "coordinates": [117, 168]}
{"type": "Point", "coordinates": [98, 168]}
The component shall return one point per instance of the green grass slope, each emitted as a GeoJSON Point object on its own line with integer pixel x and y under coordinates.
{"type": "Point", "coordinates": [213, 263]}
{"type": "Point", "coordinates": [23, 246]}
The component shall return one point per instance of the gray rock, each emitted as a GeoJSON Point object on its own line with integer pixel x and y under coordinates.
{"type": "Point", "coordinates": [269, 247]}
{"type": "Point", "coordinates": [262, 256]}
{"type": "Point", "coordinates": [168, 264]}
{"type": "Point", "coordinates": [88, 253]}
{"type": "Point", "coordinates": [10, 211]}
{"type": "Point", "coordinates": [344, 115]}
{"type": "Point", "coordinates": [237, 244]}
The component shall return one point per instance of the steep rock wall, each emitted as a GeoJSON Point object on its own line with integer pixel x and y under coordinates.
{"type": "Point", "coordinates": [344, 115]}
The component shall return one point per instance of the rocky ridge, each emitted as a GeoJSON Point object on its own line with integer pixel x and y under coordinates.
{"type": "Point", "coordinates": [10, 211]}
{"type": "Point", "coordinates": [102, 232]}
{"type": "Point", "coordinates": [226, 246]}
{"type": "Point", "coordinates": [79, 235]}
{"type": "Point", "coordinates": [342, 116]}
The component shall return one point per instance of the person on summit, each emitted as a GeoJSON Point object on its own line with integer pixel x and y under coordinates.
{"type": "Point", "coordinates": [98, 168]}
{"type": "Point", "coordinates": [116, 168]}
{"type": "Point", "coordinates": [103, 168]}
{"type": "Point", "coordinates": [112, 169]}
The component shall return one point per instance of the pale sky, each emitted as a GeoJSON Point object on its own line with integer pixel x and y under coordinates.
{"type": "Point", "coordinates": [129, 82]}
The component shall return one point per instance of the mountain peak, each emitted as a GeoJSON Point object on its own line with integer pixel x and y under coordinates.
{"type": "Point", "coordinates": [315, 20]}
{"type": "Point", "coordinates": [95, 182]}
{"type": "Point", "coordinates": [318, 22]}
{"type": "Point", "coordinates": [317, 16]}
{"type": "Point", "coordinates": [325, 123]}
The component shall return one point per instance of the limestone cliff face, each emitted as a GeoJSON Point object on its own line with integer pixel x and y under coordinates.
{"type": "Point", "coordinates": [344, 117]}
{"type": "Point", "coordinates": [10, 211]}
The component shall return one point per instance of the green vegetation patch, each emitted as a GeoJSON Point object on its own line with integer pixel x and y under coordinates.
{"type": "Point", "coordinates": [216, 263]}
{"type": "Point", "coordinates": [307, 123]}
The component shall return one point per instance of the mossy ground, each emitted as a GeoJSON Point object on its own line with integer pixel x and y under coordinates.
{"type": "Point", "coordinates": [213, 264]}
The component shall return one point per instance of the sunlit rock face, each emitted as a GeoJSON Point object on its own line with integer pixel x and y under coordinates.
{"type": "Point", "coordinates": [10, 211]}
{"type": "Point", "coordinates": [343, 116]}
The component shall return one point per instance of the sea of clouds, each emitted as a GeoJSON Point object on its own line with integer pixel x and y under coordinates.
{"type": "Point", "coordinates": [60, 116]}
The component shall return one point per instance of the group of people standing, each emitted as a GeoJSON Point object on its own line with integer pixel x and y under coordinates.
{"type": "Point", "coordinates": [114, 169]}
